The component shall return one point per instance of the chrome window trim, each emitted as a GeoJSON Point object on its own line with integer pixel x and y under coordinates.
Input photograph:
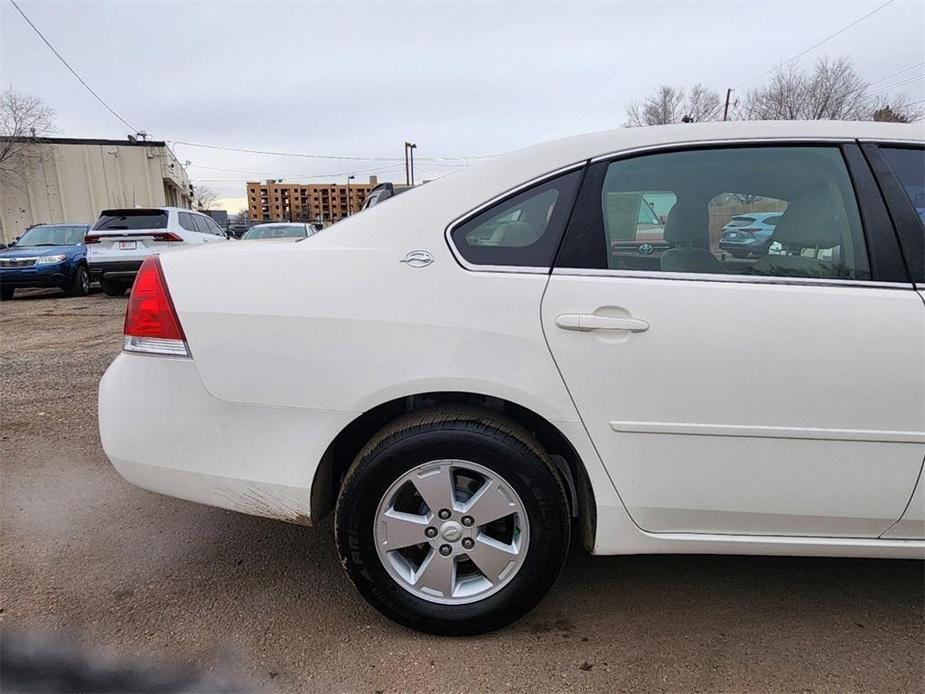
{"type": "Point", "coordinates": [891, 143]}
{"type": "Point", "coordinates": [649, 149]}
{"type": "Point", "coordinates": [782, 141]}
{"type": "Point", "coordinates": [466, 216]}
{"type": "Point", "coordinates": [733, 279]}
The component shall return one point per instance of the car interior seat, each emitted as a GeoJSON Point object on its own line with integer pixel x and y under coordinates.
{"type": "Point", "coordinates": [811, 221]}
{"type": "Point", "coordinates": [687, 230]}
{"type": "Point", "coordinates": [514, 235]}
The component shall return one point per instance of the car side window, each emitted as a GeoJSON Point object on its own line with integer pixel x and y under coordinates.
{"type": "Point", "coordinates": [763, 211]}
{"type": "Point", "coordinates": [908, 165]}
{"type": "Point", "coordinates": [200, 223]}
{"type": "Point", "coordinates": [186, 221]}
{"type": "Point", "coordinates": [522, 231]}
{"type": "Point", "coordinates": [213, 227]}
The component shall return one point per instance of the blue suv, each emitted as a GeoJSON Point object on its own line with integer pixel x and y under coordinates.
{"type": "Point", "coordinates": [48, 255]}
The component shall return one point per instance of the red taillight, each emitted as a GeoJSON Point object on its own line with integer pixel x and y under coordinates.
{"type": "Point", "coordinates": [151, 322]}
{"type": "Point", "coordinates": [167, 236]}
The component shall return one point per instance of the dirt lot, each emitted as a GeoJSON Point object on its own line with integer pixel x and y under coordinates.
{"type": "Point", "coordinates": [137, 575]}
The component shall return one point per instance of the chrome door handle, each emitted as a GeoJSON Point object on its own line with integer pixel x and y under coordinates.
{"type": "Point", "coordinates": [586, 322]}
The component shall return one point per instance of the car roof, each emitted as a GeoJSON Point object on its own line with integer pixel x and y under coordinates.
{"type": "Point", "coordinates": [455, 195]}
{"type": "Point", "coordinates": [569, 150]}
{"type": "Point", "coordinates": [62, 224]}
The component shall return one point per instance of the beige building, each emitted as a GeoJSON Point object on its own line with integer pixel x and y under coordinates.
{"type": "Point", "coordinates": [74, 179]}
{"type": "Point", "coordinates": [275, 201]}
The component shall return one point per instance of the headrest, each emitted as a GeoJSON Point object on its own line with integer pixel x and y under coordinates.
{"type": "Point", "coordinates": [515, 235]}
{"type": "Point", "coordinates": [812, 220]}
{"type": "Point", "coordinates": [688, 224]}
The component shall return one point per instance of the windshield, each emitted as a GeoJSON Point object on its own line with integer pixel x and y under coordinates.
{"type": "Point", "coordinates": [276, 231]}
{"type": "Point", "coordinates": [53, 236]}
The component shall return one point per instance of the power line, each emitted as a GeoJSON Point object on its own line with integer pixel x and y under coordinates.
{"type": "Point", "coordinates": [898, 72]}
{"type": "Point", "coordinates": [890, 87]}
{"type": "Point", "coordinates": [336, 157]}
{"type": "Point", "coordinates": [73, 71]}
{"type": "Point", "coordinates": [819, 43]}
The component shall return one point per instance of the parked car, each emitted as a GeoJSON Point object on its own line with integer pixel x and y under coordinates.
{"type": "Point", "coordinates": [279, 230]}
{"type": "Point", "coordinates": [634, 230]}
{"type": "Point", "coordinates": [237, 230]}
{"type": "Point", "coordinates": [120, 239]}
{"type": "Point", "coordinates": [749, 234]}
{"type": "Point", "coordinates": [468, 410]}
{"type": "Point", "coordinates": [49, 255]}
{"type": "Point", "coordinates": [381, 193]}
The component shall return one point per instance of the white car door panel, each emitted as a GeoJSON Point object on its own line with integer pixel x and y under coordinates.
{"type": "Point", "coordinates": [749, 408]}
{"type": "Point", "coordinates": [776, 388]}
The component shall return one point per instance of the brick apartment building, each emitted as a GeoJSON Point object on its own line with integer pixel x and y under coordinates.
{"type": "Point", "coordinates": [274, 201]}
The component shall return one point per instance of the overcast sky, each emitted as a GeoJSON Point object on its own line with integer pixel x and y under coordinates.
{"type": "Point", "coordinates": [459, 79]}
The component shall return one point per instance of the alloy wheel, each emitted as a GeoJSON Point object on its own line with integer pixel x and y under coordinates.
{"type": "Point", "coordinates": [451, 531]}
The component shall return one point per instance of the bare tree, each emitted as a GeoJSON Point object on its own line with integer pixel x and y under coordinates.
{"type": "Point", "coordinates": [204, 198]}
{"type": "Point", "coordinates": [24, 121]}
{"type": "Point", "coordinates": [674, 105]}
{"type": "Point", "coordinates": [833, 90]}
{"type": "Point", "coordinates": [896, 109]}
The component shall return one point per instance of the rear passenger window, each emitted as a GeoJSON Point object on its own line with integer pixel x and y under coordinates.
{"type": "Point", "coordinates": [186, 221]}
{"type": "Point", "coordinates": [768, 211]}
{"type": "Point", "coordinates": [213, 227]}
{"type": "Point", "coordinates": [200, 223]}
{"type": "Point", "coordinates": [908, 166]}
{"type": "Point", "coordinates": [522, 231]}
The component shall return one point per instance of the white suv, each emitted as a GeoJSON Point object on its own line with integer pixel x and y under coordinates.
{"type": "Point", "coordinates": [121, 239]}
{"type": "Point", "coordinates": [494, 365]}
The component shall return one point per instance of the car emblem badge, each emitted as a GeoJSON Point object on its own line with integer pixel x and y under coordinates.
{"type": "Point", "coordinates": [646, 249]}
{"type": "Point", "coordinates": [418, 258]}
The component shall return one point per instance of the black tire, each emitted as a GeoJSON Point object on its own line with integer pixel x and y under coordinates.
{"type": "Point", "coordinates": [6, 293]}
{"type": "Point", "coordinates": [113, 287]}
{"type": "Point", "coordinates": [498, 444]}
{"type": "Point", "coordinates": [81, 284]}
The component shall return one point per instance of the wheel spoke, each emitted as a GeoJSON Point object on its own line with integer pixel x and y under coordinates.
{"type": "Point", "coordinates": [490, 503]}
{"type": "Point", "coordinates": [437, 574]}
{"type": "Point", "coordinates": [402, 529]}
{"type": "Point", "coordinates": [435, 485]}
{"type": "Point", "coordinates": [492, 557]}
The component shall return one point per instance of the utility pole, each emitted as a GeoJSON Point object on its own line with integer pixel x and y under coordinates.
{"type": "Point", "coordinates": [349, 178]}
{"type": "Point", "coordinates": [726, 108]}
{"type": "Point", "coordinates": [411, 148]}
{"type": "Point", "coordinates": [407, 176]}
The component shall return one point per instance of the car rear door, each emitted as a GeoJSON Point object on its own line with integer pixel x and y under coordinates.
{"type": "Point", "coordinates": [773, 396]}
{"type": "Point", "coordinates": [900, 171]}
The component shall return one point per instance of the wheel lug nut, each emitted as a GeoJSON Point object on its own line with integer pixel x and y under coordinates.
{"type": "Point", "coordinates": [468, 542]}
{"type": "Point", "coordinates": [446, 550]}
{"type": "Point", "coordinates": [430, 531]}
{"type": "Point", "coordinates": [468, 520]}
{"type": "Point", "coordinates": [444, 514]}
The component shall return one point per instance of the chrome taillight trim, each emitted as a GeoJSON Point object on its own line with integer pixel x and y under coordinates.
{"type": "Point", "coordinates": [155, 345]}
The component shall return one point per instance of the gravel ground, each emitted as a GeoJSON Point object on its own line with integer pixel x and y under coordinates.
{"type": "Point", "coordinates": [135, 575]}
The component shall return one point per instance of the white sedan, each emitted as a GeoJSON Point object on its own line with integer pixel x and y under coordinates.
{"type": "Point", "coordinates": [491, 366]}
